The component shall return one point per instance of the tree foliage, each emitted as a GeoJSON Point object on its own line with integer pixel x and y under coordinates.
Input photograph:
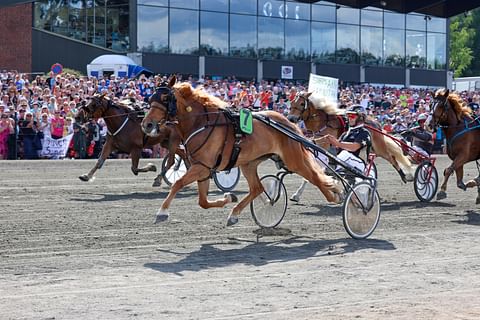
{"type": "Point", "coordinates": [461, 42]}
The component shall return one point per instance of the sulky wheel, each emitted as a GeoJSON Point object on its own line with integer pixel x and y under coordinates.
{"type": "Point", "coordinates": [175, 172]}
{"type": "Point", "coordinates": [361, 210]}
{"type": "Point", "coordinates": [268, 209]}
{"type": "Point", "coordinates": [425, 182]}
{"type": "Point", "coordinates": [227, 180]}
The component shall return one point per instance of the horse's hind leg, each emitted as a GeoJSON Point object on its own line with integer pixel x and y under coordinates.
{"type": "Point", "coordinates": [194, 173]}
{"type": "Point", "coordinates": [255, 187]}
{"type": "Point", "coordinates": [106, 150]}
{"type": "Point", "coordinates": [203, 201]}
{"type": "Point", "coordinates": [135, 154]}
{"type": "Point", "coordinates": [296, 196]}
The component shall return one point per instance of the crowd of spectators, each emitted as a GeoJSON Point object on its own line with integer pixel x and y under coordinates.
{"type": "Point", "coordinates": [32, 108]}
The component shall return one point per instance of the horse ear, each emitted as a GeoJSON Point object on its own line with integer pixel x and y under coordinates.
{"type": "Point", "coordinates": [447, 92]}
{"type": "Point", "coordinates": [172, 81]}
{"type": "Point", "coordinates": [308, 94]}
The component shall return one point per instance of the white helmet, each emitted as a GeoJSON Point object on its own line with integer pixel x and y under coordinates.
{"type": "Point", "coordinates": [421, 117]}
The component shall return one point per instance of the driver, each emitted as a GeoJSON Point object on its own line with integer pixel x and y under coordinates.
{"type": "Point", "coordinates": [354, 140]}
{"type": "Point", "coordinates": [421, 138]}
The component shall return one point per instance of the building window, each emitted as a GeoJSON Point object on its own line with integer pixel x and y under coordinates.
{"type": "Point", "coordinates": [183, 31]}
{"type": "Point", "coordinates": [371, 46]}
{"type": "Point", "coordinates": [243, 36]}
{"type": "Point", "coordinates": [213, 33]}
{"type": "Point", "coordinates": [393, 20]}
{"type": "Point", "coordinates": [348, 15]}
{"type": "Point", "coordinates": [186, 4]}
{"type": "Point", "coordinates": [323, 42]}
{"type": "Point", "coordinates": [347, 43]}
{"type": "Point", "coordinates": [152, 27]}
{"type": "Point", "coordinates": [323, 13]}
{"type": "Point", "coordinates": [214, 5]}
{"type": "Point", "coordinates": [270, 38]}
{"type": "Point", "coordinates": [394, 47]}
{"type": "Point", "coordinates": [415, 49]}
{"type": "Point", "coordinates": [297, 40]}
{"type": "Point", "coordinates": [243, 6]}
{"type": "Point", "coordinates": [436, 51]}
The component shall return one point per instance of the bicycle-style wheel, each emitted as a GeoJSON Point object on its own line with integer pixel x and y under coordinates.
{"type": "Point", "coordinates": [425, 181]}
{"type": "Point", "coordinates": [175, 172]}
{"type": "Point", "coordinates": [268, 209]}
{"type": "Point", "coordinates": [227, 180]}
{"type": "Point", "coordinates": [361, 210]}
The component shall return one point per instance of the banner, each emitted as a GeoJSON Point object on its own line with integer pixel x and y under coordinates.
{"type": "Point", "coordinates": [55, 148]}
{"type": "Point", "coordinates": [324, 87]}
{"type": "Point", "coordinates": [287, 72]}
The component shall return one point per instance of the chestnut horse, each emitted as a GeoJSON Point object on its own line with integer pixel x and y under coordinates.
{"type": "Point", "coordinates": [209, 137]}
{"type": "Point", "coordinates": [322, 117]}
{"type": "Point", "coordinates": [125, 135]}
{"type": "Point", "coordinates": [462, 132]}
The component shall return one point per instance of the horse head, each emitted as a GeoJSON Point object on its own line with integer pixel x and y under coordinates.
{"type": "Point", "coordinates": [299, 107]}
{"type": "Point", "coordinates": [440, 110]}
{"type": "Point", "coordinates": [95, 108]}
{"type": "Point", "coordinates": [163, 106]}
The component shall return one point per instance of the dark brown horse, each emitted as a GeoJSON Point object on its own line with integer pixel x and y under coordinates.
{"type": "Point", "coordinates": [322, 117]}
{"type": "Point", "coordinates": [125, 134]}
{"type": "Point", "coordinates": [209, 138]}
{"type": "Point", "coordinates": [463, 137]}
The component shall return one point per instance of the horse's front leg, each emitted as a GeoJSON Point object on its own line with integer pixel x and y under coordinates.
{"type": "Point", "coordinates": [106, 150]}
{"type": "Point", "coordinates": [135, 154]}
{"type": "Point", "coordinates": [203, 201]}
{"type": "Point", "coordinates": [457, 163]}
{"type": "Point", "coordinates": [255, 187]}
{"type": "Point", "coordinates": [194, 173]}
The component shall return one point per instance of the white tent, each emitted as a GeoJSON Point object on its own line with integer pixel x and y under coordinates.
{"type": "Point", "coordinates": [118, 65]}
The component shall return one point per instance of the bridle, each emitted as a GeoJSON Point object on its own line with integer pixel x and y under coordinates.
{"type": "Point", "coordinates": [441, 102]}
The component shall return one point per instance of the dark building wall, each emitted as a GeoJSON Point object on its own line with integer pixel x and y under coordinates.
{"type": "Point", "coordinates": [344, 72]}
{"type": "Point", "coordinates": [169, 63]}
{"type": "Point", "coordinates": [16, 38]}
{"type": "Point", "coordinates": [49, 48]}
{"type": "Point", "coordinates": [223, 66]}
{"type": "Point", "coordinates": [272, 69]}
{"type": "Point", "coordinates": [384, 75]}
{"type": "Point", "coordinates": [428, 78]}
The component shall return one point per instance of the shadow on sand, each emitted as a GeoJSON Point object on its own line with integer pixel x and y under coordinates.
{"type": "Point", "coordinates": [262, 253]}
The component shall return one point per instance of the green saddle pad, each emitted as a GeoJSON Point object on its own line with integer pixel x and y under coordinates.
{"type": "Point", "coordinates": [246, 121]}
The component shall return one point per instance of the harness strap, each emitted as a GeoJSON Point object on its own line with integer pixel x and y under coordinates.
{"type": "Point", "coordinates": [119, 129]}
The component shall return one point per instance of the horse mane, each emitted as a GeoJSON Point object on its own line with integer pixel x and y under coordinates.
{"type": "Point", "coordinates": [185, 90]}
{"type": "Point", "coordinates": [321, 103]}
{"type": "Point", "coordinates": [459, 106]}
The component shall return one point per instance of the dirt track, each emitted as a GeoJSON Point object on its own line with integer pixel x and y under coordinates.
{"type": "Point", "coordinates": [75, 250]}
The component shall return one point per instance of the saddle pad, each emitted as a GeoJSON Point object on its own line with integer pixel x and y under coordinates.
{"type": "Point", "coordinates": [246, 121]}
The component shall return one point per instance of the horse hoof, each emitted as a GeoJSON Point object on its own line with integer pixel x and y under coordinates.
{"type": "Point", "coordinates": [161, 216]}
{"type": "Point", "coordinates": [84, 177]}
{"type": "Point", "coordinates": [478, 201]}
{"type": "Point", "coordinates": [231, 221]}
{"type": "Point", "coordinates": [471, 184]}
{"type": "Point", "coordinates": [157, 183]}
{"type": "Point", "coordinates": [409, 177]}
{"type": "Point", "coordinates": [231, 197]}
{"type": "Point", "coordinates": [295, 198]}
{"type": "Point", "coordinates": [462, 186]}
{"type": "Point", "coordinates": [153, 167]}
{"type": "Point", "coordinates": [441, 195]}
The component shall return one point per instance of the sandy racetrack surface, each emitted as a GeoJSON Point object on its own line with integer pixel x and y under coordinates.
{"type": "Point", "coordinates": [76, 250]}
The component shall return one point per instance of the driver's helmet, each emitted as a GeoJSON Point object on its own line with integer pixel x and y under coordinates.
{"type": "Point", "coordinates": [422, 117]}
{"type": "Point", "coordinates": [356, 109]}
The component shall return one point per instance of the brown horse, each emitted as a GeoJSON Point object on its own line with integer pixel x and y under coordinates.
{"type": "Point", "coordinates": [209, 138]}
{"type": "Point", "coordinates": [322, 117]}
{"type": "Point", "coordinates": [125, 135]}
{"type": "Point", "coordinates": [463, 137]}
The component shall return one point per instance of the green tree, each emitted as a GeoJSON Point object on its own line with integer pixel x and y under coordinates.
{"type": "Point", "coordinates": [461, 42]}
{"type": "Point", "coordinates": [474, 69]}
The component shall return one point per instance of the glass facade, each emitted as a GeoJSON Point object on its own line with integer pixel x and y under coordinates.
{"type": "Point", "coordinates": [101, 22]}
{"type": "Point", "coordinates": [321, 32]}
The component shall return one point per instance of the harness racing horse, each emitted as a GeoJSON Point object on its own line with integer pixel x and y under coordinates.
{"type": "Point", "coordinates": [462, 132]}
{"type": "Point", "coordinates": [125, 135]}
{"type": "Point", "coordinates": [322, 117]}
{"type": "Point", "coordinates": [209, 137]}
